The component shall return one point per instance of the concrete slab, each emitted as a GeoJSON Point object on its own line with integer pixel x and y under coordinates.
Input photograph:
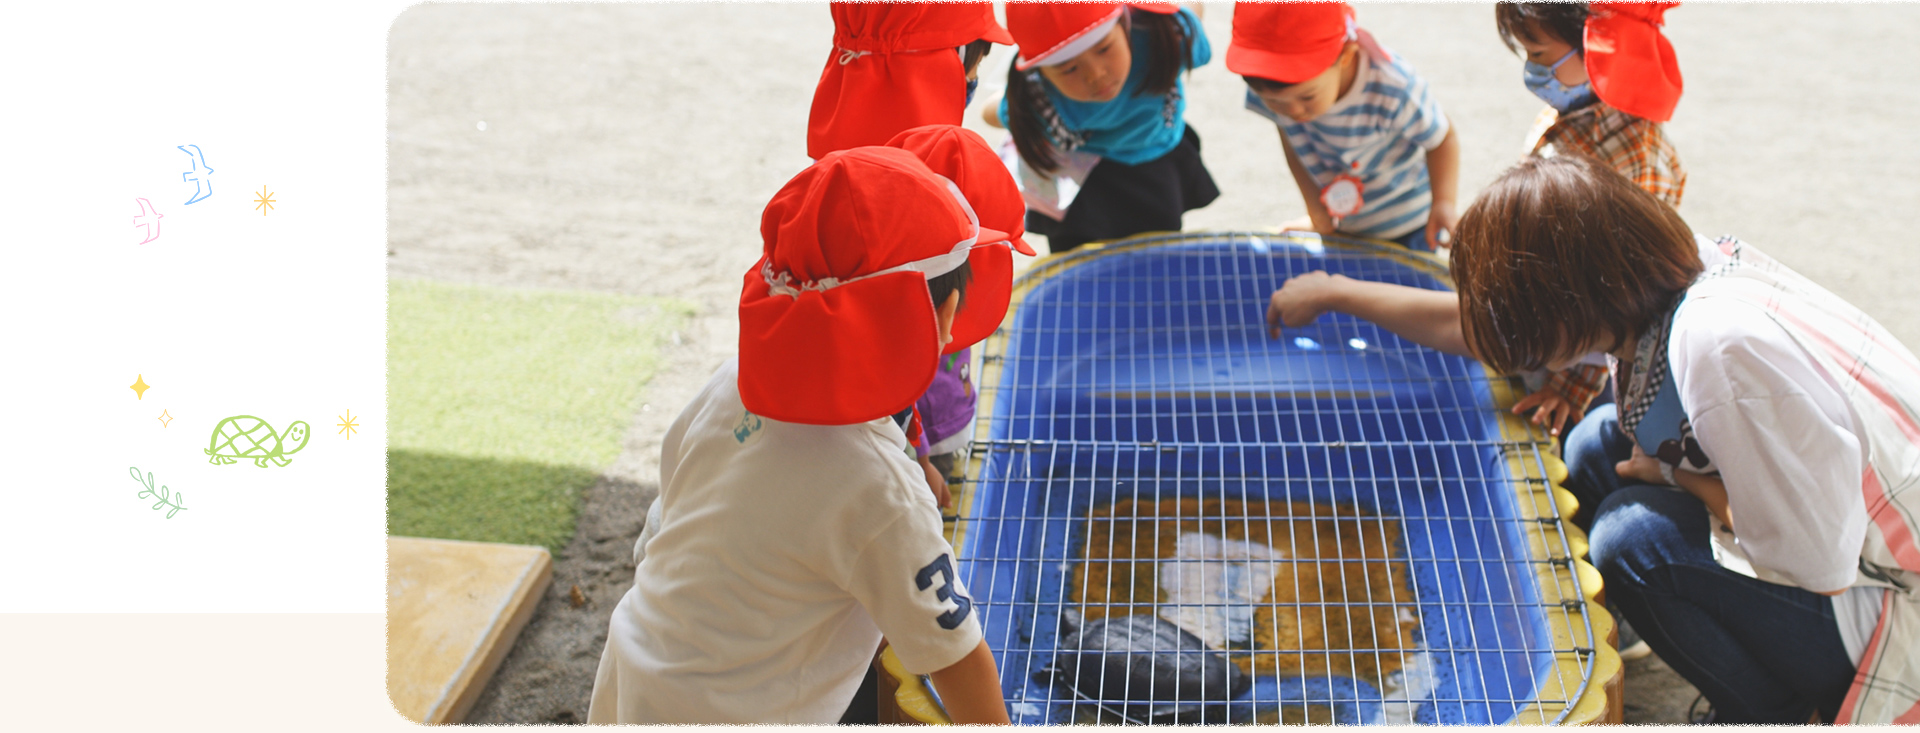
{"type": "Point", "coordinates": [453, 610]}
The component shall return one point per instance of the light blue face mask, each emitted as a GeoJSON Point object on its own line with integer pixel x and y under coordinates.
{"type": "Point", "coordinates": [1541, 82]}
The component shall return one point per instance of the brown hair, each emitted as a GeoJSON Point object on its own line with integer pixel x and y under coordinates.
{"type": "Point", "coordinates": [1566, 21]}
{"type": "Point", "coordinates": [1561, 254]}
{"type": "Point", "coordinates": [1261, 84]}
{"type": "Point", "coordinates": [1030, 114]}
{"type": "Point", "coordinates": [972, 53]}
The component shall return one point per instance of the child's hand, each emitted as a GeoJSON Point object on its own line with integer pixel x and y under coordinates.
{"type": "Point", "coordinates": [936, 482]}
{"type": "Point", "coordinates": [1549, 409]}
{"type": "Point", "coordinates": [1300, 300]}
{"type": "Point", "coordinates": [1441, 218]}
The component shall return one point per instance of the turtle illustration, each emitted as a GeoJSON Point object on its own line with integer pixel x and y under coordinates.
{"type": "Point", "coordinates": [246, 436]}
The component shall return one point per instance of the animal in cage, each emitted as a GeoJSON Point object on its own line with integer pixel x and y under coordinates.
{"type": "Point", "coordinates": [1292, 589]}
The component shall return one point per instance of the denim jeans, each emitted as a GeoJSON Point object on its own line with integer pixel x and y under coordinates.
{"type": "Point", "coordinates": [1762, 653]}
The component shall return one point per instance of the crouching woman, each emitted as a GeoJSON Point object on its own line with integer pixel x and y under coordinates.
{"type": "Point", "coordinates": [1754, 494]}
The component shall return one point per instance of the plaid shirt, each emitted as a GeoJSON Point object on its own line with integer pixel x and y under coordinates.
{"type": "Point", "coordinates": [1579, 384]}
{"type": "Point", "coordinates": [1634, 146]}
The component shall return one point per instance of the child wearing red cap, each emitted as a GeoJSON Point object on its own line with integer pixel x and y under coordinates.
{"type": "Point", "coordinates": [898, 65]}
{"type": "Point", "coordinates": [947, 409]}
{"type": "Point", "coordinates": [792, 529]}
{"type": "Point", "coordinates": [1096, 95]}
{"type": "Point", "coordinates": [1609, 79]}
{"type": "Point", "coordinates": [1369, 146]}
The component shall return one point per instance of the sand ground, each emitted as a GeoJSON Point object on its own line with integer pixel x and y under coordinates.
{"type": "Point", "coordinates": [630, 148]}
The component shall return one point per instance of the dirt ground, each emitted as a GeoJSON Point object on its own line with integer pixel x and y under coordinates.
{"type": "Point", "coordinates": [630, 148]}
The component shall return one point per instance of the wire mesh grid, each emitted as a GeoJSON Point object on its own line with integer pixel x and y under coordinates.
{"type": "Point", "coordinates": [1170, 517]}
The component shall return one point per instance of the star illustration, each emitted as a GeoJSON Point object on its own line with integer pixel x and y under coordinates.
{"type": "Point", "coordinates": [164, 418]}
{"type": "Point", "coordinates": [265, 199]}
{"type": "Point", "coordinates": [347, 424]}
{"type": "Point", "coordinates": [139, 387]}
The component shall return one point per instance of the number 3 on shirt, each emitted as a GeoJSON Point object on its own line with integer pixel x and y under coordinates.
{"type": "Point", "coordinates": [943, 566]}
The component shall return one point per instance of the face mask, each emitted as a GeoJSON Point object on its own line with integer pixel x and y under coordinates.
{"type": "Point", "coordinates": [972, 84]}
{"type": "Point", "coordinates": [1541, 82]}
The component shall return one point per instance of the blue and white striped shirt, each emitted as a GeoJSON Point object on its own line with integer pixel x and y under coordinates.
{"type": "Point", "coordinates": [1379, 132]}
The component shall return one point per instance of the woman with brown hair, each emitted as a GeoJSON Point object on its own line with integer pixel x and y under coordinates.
{"type": "Point", "coordinates": [1753, 500]}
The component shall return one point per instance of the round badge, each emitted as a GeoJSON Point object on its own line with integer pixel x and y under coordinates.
{"type": "Point", "coordinates": [1342, 196]}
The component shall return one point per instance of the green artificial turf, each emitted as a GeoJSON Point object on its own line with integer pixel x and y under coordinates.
{"type": "Point", "coordinates": [504, 404]}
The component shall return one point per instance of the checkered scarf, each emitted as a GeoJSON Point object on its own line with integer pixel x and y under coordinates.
{"type": "Point", "coordinates": [1650, 371]}
{"type": "Point", "coordinates": [1650, 368]}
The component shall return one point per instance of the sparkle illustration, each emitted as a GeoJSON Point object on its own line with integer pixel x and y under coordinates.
{"type": "Point", "coordinates": [164, 418]}
{"type": "Point", "coordinates": [149, 218]}
{"type": "Point", "coordinates": [201, 174]}
{"type": "Point", "coordinates": [347, 424]}
{"type": "Point", "coordinates": [265, 199]}
{"type": "Point", "coordinates": [139, 386]}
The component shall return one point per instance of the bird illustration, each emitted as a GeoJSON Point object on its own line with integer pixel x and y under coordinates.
{"type": "Point", "coordinates": [152, 220]}
{"type": "Point", "coordinates": [203, 182]}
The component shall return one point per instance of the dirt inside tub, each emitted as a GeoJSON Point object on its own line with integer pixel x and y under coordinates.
{"type": "Point", "coordinates": [1287, 589]}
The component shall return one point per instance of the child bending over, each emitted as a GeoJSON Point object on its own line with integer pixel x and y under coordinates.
{"type": "Point", "coordinates": [792, 528]}
{"type": "Point", "coordinates": [1096, 96]}
{"type": "Point", "coordinates": [1372, 152]}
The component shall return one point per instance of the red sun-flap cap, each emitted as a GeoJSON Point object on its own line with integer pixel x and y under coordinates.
{"type": "Point", "coordinates": [964, 157]}
{"type": "Point", "coordinates": [1287, 42]}
{"type": "Point", "coordinates": [825, 339]}
{"type": "Point", "coordinates": [1630, 62]}
{"type": "Point", "coordinates": [1044, 29]}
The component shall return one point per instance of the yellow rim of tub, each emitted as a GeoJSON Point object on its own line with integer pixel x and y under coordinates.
{"type": "Point", "coordinates": [1581, 625]}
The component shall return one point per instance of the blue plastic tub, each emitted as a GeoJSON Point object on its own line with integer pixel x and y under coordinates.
{"type": "Point", "coordinates": [1143, 371]}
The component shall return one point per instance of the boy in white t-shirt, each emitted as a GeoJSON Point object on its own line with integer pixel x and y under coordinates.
{"type": "Point", "coordinates": [794, 527]}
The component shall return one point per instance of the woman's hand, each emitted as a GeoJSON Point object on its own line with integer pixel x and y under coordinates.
{"type": "Point", "coordinates": [1641, 467]}
{"type": "Point", "coordinates": [1550, 410]}
{"type": "Point", "coordinates": [1301, 300]}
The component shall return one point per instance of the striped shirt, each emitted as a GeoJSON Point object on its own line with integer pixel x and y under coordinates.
{"type": "Point", "coordinates": [1379, 132]}
{"type": "Point", "coordinates": [1635, 146]}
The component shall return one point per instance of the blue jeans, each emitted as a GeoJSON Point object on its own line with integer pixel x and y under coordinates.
{"type": "Point", "coordinates": [1762, 653]}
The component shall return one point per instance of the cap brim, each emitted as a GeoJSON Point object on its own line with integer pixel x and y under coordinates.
{"type": "Point", "coordinates": [1291, 68]}
{"type": "Point", "coordinates": [1161, 8]}
{"type": "Point", "coordinates": [1020, 245]}
{"type": "Point", "coordinates": [997, 34]}
{"type": "Point", "coordinates": [991, 236]}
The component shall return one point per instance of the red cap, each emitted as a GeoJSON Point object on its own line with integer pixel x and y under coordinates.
{"type": "Point", "coordinates": [1631, 64]}
{"type": "Point", "coordinates": [1052, 32]}
{"type": "Point", "coordinates": [836, 325]}
{"type": "Point", "coordinates": [965, 158]}
{"type": "Point", "coordinates": [1287, 42]}
{"type": "Point", "coordinates": [886, 74]}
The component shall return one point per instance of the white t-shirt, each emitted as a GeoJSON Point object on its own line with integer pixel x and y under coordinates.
{"type": "Point", "coordinates": [1786, 443]}
{"type": "Point", "coordinates": [781, 553]}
